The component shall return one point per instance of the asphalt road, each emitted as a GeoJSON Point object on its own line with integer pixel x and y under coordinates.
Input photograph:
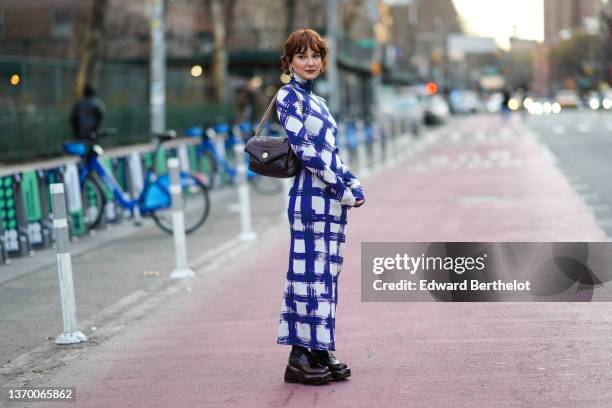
{"type": "Point", "coordinates": [582, 143]}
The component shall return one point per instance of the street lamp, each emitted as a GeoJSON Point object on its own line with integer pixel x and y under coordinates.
{"type": "Point", "coordinates": [196, 71]}
{"type": "Point", "coordinates": [15, 79]}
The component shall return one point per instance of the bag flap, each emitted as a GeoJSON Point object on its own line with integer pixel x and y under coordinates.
{"type": "Point", "coordinates": [266, 149]}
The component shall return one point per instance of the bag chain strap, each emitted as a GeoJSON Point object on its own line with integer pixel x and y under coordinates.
{"type": "Point", "coordinates": [264, 119]}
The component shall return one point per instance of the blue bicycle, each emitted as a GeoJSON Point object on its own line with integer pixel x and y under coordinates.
{"type": "Point", "coordinates": [154, 199]}
{"type": "Point", "coordinates": [219, 164]}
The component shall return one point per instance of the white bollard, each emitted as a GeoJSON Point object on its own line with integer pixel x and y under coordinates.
{"type": "Point", "coordinates": [246, 231]}
{"type": "Point", "coordinates": [220, 149]}
{"type": "Point", "coordinates": [182, 269]}
{"type": "Point", "coordinates": [183, 155]}
{"type": "Point", "coordinates": [136, 182]}
{"type": "Point", "coordinates": [73, 193]}
{"type": "Point", "coordinates": [377, 152]}
{"type": "Point", "coordinates": [409, 139]}
{"type": "Point", "coordinates": [401, 142]}
{"type": "Point", "coordinates": [392, 141]}
{"type": "Point", "coordinates": [362, 154]}
{"type": "Point", "coordinates": [71, 334]}
{"type": "Point", "coordinates": [399, 137]}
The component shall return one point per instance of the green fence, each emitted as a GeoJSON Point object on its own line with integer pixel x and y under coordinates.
{"type": "Point", "coordinates": [34, 113]}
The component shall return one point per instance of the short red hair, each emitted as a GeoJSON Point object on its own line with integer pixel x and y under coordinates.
{"type": "Point", "coordinates": [300, 41]}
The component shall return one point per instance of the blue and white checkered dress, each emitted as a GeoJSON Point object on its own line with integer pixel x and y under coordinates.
{"type": "Point", "coordinates": [318, 202]}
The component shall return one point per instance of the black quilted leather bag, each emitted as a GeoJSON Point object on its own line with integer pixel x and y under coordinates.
{"type": "Point", "coordinates": [269, 155]}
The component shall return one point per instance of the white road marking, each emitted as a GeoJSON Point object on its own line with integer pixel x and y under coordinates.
{"type": "Point", "coordinates": [584, 128]}
{"type": "Point", "coordinates": [558, 130]}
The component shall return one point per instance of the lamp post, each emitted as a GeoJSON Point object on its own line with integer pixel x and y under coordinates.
{"type": "Point", "coordinates": [158, 67]}
{"type": "Point", "coordinates": [332, 56]}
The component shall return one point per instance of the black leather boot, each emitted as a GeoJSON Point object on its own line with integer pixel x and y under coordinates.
{"type": "Point", "coordinates": [303, 368]}
{"type": "Point", "coordinates": [338, 369]}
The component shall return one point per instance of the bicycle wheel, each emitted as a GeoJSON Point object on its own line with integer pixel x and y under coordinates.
{"type": "Point", "coordinates": [196, 206]}
{"type": "Point", "coordinates": [208, 165]}
{"type": "Point", "coordinates": [266, 185]}
{"type": "Point", "coordinates": [93, 200]}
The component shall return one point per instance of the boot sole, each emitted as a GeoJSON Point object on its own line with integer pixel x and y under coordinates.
{"type": "Point", "coordinates": [341, 375]}
{"type": "Point", "coordinates": [293, 375]}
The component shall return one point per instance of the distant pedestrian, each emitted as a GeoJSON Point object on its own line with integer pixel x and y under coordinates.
{"type": "Point", "coordinates": [247, 104]}
{"type": "Point", "coordinates": [87, 114]}
{"type": "Point", "coordinates": [505, 106]}
{"type": "Point", "coordinates": [321, 195]}
{"type": "Point", "coordinates": [522, 97]}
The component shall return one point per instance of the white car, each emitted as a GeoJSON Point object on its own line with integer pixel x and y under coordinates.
{"type": "Point", "coordinates": [606, 100]}
{"type": "Point", "coordinates": [465, 102]}
{"type": "Point", "coordinates": [567, 98]}
{"type": "Point", "coordinates": [494, 102]}
{"type": "Point", "coordinates": [436, 110]}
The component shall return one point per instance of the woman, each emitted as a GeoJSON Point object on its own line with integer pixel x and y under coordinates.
{"type": "Point", "coordinates": [321, 194]}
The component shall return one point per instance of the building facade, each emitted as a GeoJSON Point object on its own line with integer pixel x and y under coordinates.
{"type": "Point", "coordinates": [564, 17]}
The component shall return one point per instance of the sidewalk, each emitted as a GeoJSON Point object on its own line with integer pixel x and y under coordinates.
{"type": "Point", "coordinates": [211, 342]}
{"type": "Point", "coordinates": [121, 264]}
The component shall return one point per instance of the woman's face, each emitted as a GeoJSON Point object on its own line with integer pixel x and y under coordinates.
{"type": "Point", "coordinates": [307, 64]}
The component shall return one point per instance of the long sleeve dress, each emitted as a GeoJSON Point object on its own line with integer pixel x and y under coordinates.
{"type": "Point", "coordinates": [318, 202]}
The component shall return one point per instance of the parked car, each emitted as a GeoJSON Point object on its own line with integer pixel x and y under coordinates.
{"type": "Point", "coordinates": [436, 110]}
{"type": "Point", "coordinates": [567, 98]}
{"type": "Point", "coordinates": [494, 102]}
{"type": "Point", "coordinates": [595, 101]}
{"type": "Point", "coordinates": [404, 104]}
{"type": "Point", "coordinates": [411, 108]}
{"type": "Point", "coordinates": [606, 100]}
{"type": "Point", "coordinates": [465, 102]}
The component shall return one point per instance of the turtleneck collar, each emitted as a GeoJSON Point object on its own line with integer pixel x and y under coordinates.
{"type": "Point", "coordinates": [303, 84]}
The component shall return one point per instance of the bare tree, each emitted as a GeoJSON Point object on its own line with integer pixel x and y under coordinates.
{"type": "Point", "coordinates": [230, 5]}
{"type": "Point", "coordinates": [219, 55]}
{"type": "Point", "coordinates": [351, 13]}
{"type": "Point", "coordinates": [90, 53]}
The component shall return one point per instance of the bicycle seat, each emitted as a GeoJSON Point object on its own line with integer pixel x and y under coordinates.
{"type": "Point", "coordinates": [194, 131]}
{"type": "Point", "coordinates": [167, 135]}
{"type": "Point", "coordinates": [221, 128]}
{"type": "Point", "coordinates": [245, 127]}
{"type": "Point", "coordinates": [76, 147]}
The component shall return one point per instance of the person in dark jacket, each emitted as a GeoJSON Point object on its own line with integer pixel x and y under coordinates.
{"type": "Point", "coordinates": [87, 114]}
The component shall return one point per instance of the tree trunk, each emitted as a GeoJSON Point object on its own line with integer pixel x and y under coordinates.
{"type": "Point", "coordinates": [219, 56]}
{"type": "Point", "coordinates": [229, 19]}
{"type": "Point", "coordinates": [90, 53]}
{"type": "Point", "coordinates": [353, 9]}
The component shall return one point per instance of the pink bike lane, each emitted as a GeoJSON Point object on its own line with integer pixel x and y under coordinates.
{"type": "Point", "coordinates": [216, 347]}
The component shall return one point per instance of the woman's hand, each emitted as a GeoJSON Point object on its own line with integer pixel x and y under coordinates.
{"type": "Point", "coordinates": [359, 203]}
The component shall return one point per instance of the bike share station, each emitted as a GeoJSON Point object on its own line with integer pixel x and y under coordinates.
{"type": "Point", "coordinates": [135, 179]}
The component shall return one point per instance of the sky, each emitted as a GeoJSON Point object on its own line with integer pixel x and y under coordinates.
{"type": "Point", "coordinates": [497, 18]}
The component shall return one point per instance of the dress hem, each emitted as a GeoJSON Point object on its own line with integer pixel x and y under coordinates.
{"type": "Point", "coordinates": [288, 342]}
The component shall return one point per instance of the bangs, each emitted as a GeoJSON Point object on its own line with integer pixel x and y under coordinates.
{"type": "Point", "coordinates": [305, 40]}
